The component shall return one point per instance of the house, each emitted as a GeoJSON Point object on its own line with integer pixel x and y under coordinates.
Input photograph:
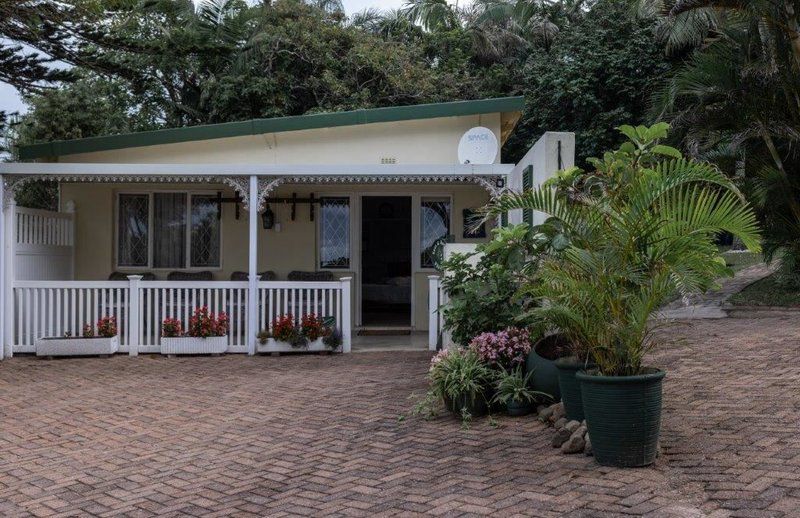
{"type": "Point", "coordinates": [337, 214]}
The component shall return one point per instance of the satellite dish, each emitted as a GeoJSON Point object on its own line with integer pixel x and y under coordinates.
{"type": "Point", "coordinates": [477, 146]}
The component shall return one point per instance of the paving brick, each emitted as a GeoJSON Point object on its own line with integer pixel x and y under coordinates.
{"type": "Point", "coordinates": [311, 435]}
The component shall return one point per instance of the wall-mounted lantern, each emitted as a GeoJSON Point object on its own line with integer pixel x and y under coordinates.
{"type": "Point", "coordinates": [268, 218]}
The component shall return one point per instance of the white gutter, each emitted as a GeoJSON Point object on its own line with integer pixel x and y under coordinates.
{"type": "Point", "coordinates": [107, 169]}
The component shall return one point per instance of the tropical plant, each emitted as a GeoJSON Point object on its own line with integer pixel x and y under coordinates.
{"type": "Point", "coordinates": [641, 226]}
{"type": "Point", "coordinates": [733, 100]}
{"type": "Point", "coordinates": [481, 286]}
{"type": "Point", "coordinates": [460, 379]}
{"type": "Point", "coordinates": [514, 387]}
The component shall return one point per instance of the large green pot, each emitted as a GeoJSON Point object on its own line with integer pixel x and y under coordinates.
{"type": "Point", "coordinates": [569, 386]}
{"type": "Point", "coordinates": [623, 415]}
{"type": "Point", "coordinates": [545, 375]}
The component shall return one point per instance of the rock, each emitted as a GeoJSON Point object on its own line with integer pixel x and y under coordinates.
{"type": "Point", "coordinates": [581, 430]}
{"type": "Point", "coordinates": [587, 449]}
{"type": "Point", "coordinates": [558, 412]}
{"type": "Point", "coordinates": [539, 408]}
{"type": "Point", "coordinates": [572, 425]}
{"type": "Point", "coordinates": [575, 444]}
{"type": "Point", "coordinates": [560, 437]}
{"type": "Point", "coordinates": [561, 423]}
{"type": "Point", "coordinates": [545, 414]}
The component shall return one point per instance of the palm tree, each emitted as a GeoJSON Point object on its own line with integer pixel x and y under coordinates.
{"type": "Point", "coordinates": [638, 228]}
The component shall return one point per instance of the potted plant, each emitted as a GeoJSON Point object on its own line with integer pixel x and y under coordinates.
{"type": "Point", "coordinates": [542, 359]}
{"type": "Point", "coordinates": [503, 350]}
{"type": "Point", "coordinates": [100, 339]}
{"type": "Point", "coordinates": [286, 335]}
{"type": "Point", "coordinates": [514, 392]}
{"type": "Point", "coordinates": [639, 227]}
{"type": "Point", "coordinates": [460, 380]}
{"type": "Point", "coordinates": [207, 334]}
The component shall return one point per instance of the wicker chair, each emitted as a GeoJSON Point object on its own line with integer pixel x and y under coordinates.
{"type": "Point", "coordinates": [300, 276]}
{"type": "Point", "coordinates": [190, 276]}
{"type": "Point", "coordinates": [269, 275]}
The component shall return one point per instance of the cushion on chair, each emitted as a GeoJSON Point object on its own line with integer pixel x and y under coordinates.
{"type": "Point", "coordinates": [311, 276]}
{"type": "Point", "coordinates": [269, 275]}
{"type": "Point", "coordinates": [190, 276]}
{"type": "Point", "coordinates": [123, 276]}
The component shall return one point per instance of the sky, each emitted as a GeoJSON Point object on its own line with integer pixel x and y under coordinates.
{"type": "Point", "coordinates": [11, 102]}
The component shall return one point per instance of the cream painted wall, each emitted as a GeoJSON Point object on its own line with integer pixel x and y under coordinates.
{"type": "Point", "coordinates": [427, 141]}
{"type": "Point", "coordinates": [294, 247]}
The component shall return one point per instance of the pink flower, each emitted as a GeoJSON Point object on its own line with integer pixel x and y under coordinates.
{"type": "Point", "coordinates": [507, 348]}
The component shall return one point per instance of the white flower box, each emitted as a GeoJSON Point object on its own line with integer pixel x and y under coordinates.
{"type": "Point", "coordinates": [194, 345]}
{"type": "Point", "coordinates": [273, 346]}
{"type": "Point", "coordinates": [78, 346]}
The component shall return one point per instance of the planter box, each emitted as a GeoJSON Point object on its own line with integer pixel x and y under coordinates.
{"type": "Point", "coordinates": [77, 346]}
{"type": "Point", "coordinates": [273, 345]}
{"type": "Point", "coordinates": [194, 345]}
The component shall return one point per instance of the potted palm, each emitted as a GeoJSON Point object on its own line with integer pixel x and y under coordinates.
{"type": "Point", "coordinates": [640, 227]}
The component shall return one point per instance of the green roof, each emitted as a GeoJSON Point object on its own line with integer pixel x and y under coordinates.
{"type": "Point", "coordinates": [278, 124]}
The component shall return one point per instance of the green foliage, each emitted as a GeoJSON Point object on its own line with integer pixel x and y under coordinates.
{"type": "Point", "coordinates": [597, 74]}
{"type": "Point", "coordinates": [641, 225]}
{"type": "Point", "coordinates": [514, 387]}
{"type": "Point", "coordinates": [459, 377]}
{"type": "Point", "coordinates": [482, 286]}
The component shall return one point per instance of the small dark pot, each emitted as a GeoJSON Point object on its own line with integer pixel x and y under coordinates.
{"type": "Point", "coordinates": [515, 409]}
{"type": "Point", "coordinates": [570, 388]}
{"type": "Point", "coordinates": [476, 406]}
{"type": "Point", "coordinates": [623, 415]}
{"type": "Point", "coordinates": [545, 374]}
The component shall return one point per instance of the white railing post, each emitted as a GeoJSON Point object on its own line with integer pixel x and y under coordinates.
{"type": "Point", "coordinates": [69, 208]}
{"type": "Point", "coordinates": [252, 289]}
{"type": "Point", "coordinates": [134, 317]}
{"type": "Point", "coordinates": [347, 337]}
{"type": "Point", "coordinates": [433, 311]}
{"type": "Point", "coordinates": [9, 255]}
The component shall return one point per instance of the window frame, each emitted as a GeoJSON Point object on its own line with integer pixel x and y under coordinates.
{"type": "Point", "coordinates": [151, 225]}
{"type": "Point", "coordinates": [421, 200]}
{"type": "Point", "coordinates": [317, 252]}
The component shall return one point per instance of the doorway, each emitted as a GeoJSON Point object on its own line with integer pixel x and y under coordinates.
{"type": "Point", "coordinates": [386, 261]}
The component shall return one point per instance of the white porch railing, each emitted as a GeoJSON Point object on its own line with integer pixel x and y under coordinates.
{"type": "Point", "coordinates": [54, 308]}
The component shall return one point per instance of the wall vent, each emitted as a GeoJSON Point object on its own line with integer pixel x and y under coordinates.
{"type": "Point", "coordinates": [388, 160]}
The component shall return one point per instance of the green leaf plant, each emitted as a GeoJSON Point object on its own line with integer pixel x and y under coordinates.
{"type": "Point", "coordinates": [640, 227]}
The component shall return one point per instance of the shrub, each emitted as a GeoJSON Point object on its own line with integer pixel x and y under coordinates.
{"type": "Point", "coordinates": [505, 349]}
{"type": "Point", "coordinates": [456, 375]}
{"type": "Point", "coordinates": [88, 331]}
{"type": "Point", "coordinates": [171, 328]}
{"type": "Point", "coordinates": [107, 327]}
{"type": "Point", "coordinates": [203, 324]}
{"type": "Point", "coordinates": [482, 286]}
{"type": "Point", "coordinates": [283, 328]}
{"type": "Point", "coordinates": [312, 327]}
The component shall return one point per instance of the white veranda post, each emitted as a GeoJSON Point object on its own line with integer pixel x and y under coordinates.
{"type": "Point", "coordinates": [2, 272]}
{"type": "Point", "coordinates": [252, 292]}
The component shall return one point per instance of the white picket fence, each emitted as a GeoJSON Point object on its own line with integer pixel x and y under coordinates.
{"type": "Point", "coordinates": [55, 308]}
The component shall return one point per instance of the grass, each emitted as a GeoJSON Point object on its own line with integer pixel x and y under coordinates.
{"type": "Point", "coordinates": [741, 260]}
{"type": "Point", "coordinates": [767, 292]}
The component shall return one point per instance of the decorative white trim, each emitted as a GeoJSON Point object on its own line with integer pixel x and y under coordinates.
{"type": "Point", "coordinates": [240, 184]}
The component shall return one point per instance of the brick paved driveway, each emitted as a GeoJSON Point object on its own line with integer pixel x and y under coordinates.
{"type": "Point", "coordinates": [321, 435]}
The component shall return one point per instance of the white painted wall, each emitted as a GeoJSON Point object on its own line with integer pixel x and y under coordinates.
{"type": "Point", "coordinates": [544, 156]}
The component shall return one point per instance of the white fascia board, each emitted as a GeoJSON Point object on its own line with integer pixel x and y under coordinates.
{"type": "Point", "coordinates": [109, 169]}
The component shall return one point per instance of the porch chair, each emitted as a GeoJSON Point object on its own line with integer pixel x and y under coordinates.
{"type": "Point", "coordinates": [190, 276]}
{"type": "Point", "coordinates": [269, 275]}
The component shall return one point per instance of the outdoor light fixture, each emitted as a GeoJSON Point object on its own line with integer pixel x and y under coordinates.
{"type": "Point", "coordinates": [500, 183]}
{"type": "Point", "coordinates": [268, 218]}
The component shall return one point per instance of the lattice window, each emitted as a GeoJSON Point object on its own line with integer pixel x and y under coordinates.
{"type": "Point", "coordinates": [434, 229]}
{"type": "Point", "coordinates": [133, 231]}
{"type": "Point", "coordinates": [205, 231]}
{"type": "Point", "coordinates": [334, 233]}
